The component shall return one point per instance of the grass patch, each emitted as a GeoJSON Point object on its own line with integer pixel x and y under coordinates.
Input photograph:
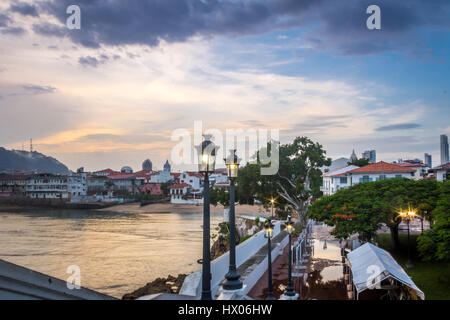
{"type": "Point", "coordinates": [433, 278]}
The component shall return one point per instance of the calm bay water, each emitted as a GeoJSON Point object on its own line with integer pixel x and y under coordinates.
{"type": "Point", "coordinates": [116, 252]}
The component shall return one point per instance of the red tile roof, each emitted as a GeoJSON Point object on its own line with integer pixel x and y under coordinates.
{"type": "Point", "coordinates": [443, 166]}
{"type": "Point", "coordinates": [120, 176]}
{"type": "Point", "coordinates": [407, 164]}
{"type": "Point", "coordinates": [105, 170]}
{"type": "Point", "coordinates": [179, 186]}
{"type": "Point", "coordinates": [381, 167]}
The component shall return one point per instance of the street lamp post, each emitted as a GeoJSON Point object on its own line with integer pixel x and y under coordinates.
{"type": "Point", "coordinates": [268, 228]}
{"type": "Point", "coordinates": [272, 201]}
{"type": "Point", "coordinates": [232, 282]}
{"type": "Point", "coordinates": [206, 152]}
{"type": "Point", "coordinates": [408, 216]}
{"type": "Point", "coordinates": [290, 288]}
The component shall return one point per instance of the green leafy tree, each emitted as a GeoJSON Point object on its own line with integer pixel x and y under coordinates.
{"type": "Point", "coordinates": [359, 162]}
{"type": "Point", "coordinates": [364, 207]}
{"type": "Point", "coordinates": [296, 182]}
{"type": "Point", "coordinates": [434, 244]}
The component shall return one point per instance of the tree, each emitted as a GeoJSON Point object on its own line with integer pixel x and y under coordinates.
{"type": "Point", "coordinates": [359, 162]}
{"type": "Point", "coordinates": [434, 244]}
{"type": "Point", "coordinates": [296, 182]}
{"type": "Point", "coordinates": [364, 207]}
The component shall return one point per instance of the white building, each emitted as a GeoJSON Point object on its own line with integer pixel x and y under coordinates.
{"type": "Point", "coordinates": [193, 179]}
{"type": "Point", "coordinates": [218, 177]}
{"type": "Point", "coordinates": [47, 186]}
{"type": "Point", "coordinates": [420, 169]}
{"type": "Point", "coordinates": [336, 180]}
{"type": "Point", "coordinates": [77, 185]}
{"type": "Point", "coordinates": [181, 193]}
{"type": "Point", "coordinates": [379, 171]}
{"type": "Point", "coordinates": [442, 172]}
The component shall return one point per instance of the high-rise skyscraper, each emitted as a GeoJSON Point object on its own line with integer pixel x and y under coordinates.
{"type": "Point", "coordinates": [427, 160]}
{"type": "Point", "coordinates": [444, 149]}
{"type": "Point", "coordinates": [371, 155]}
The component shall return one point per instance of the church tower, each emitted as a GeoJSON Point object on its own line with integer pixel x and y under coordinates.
{"type": "Point", "coordinates": [167, 166]}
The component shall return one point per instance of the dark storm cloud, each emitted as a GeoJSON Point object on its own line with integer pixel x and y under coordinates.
{"type": "Point", "coordinates": [36, 89]}
{"type": "Point", "coordinates": [89, 61]}
{"type": "Point", "coordinates": [4, 20]}
{"type": "Point", "coordinates": [337, 25]}
{"type": "Point", "coordinates": [24, 9]}
{"type": "Point", "coordinates": [17, 31]}
{"type": "Point", "coordinates": [400, 126]}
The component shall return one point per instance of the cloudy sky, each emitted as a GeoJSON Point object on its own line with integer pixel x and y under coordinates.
{"type": "Point", "coordinates": [112, 93]}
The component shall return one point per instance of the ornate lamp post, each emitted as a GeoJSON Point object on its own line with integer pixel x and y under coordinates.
{"type": "Point", "coordinates": [232, 282]}
{"type": "Point", "coordinates": [290, 293]}
{"type": "Point", "coordinates": [272, 201]}
{"type": "Point", "coordinates": [408, 216]}
{"type": "Point", "coordinates": [206, 152]}
{"type": "Point", "coordinates": [268, 233]}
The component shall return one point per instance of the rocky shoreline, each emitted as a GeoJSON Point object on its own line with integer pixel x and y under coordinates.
{"type": "Point", "coordinates": [170, 284]}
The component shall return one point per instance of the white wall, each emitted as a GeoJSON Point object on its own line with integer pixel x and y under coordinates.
{"type": "Point", "coordinates": [355, 177]}
{"type": "Point", "coordinates": [219, 267]}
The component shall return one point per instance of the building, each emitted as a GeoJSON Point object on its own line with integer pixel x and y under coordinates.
{"type": "Point", "coordinates": [163, 176]}
{"type": "Point", "coordinates": [442, 172]}
{"type": "Point", "coordinates": [336, 164]}
{"type": "Point", "coordinates": [370, 155]}
{"type": "Point", "coordinates": [147, 165]}
{"type": "Point", "coordinates": [47, 186]}
{"type": "Point", "coordinates": [218, 177]}
{"type": "Point", "coordinates": [420, 168]}
{"type": "Point", "coordinates": [336, 180]}
{"type": "Point", "coordinates": [444, 149]}
{"type": "Point", "coordinates": [193, 179]}
{"type": "Point", "coordinates": [77, 185]}
{"type": "Point", "coordinates": [98, 184]}
{"type": "Point", "coordinates": [179, 194]}
{"type": "Point", "coordinates": [105, 172]}
{"type": "Point", "coordinates": [167, 166]}
{"type": "Point", "coordinates": [126, 169]}
{"type": "Point", "coordinates": [13, 184]}
{"type": "Point", "coordinates": [153, 189]}
{"type": "Point", "coordinates": [124, 183]}
{"type": "Point", "coordinates": [379, 171]}
{"type": "Point", "coordinates": [353, 156]}
{"type": "Point", "coordinates": [428, 160]}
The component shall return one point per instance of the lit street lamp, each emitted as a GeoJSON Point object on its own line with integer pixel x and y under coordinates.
{"type": "Point", "coordinates": [206, 152]}
{"type": "Point", "coordinates": [408, 216]}
{"type": "Point", "coordinates": [272, 201]}
{"type": "Point", "coordinates": [232, 282]}
{"type": "Point", "coordinates": [268, 233]}
{"type": "Point", "coordinates": [290, 288]}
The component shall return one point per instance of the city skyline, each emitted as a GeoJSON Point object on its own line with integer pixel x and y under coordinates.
{"type": "Point", "coordinates": [112, 93]}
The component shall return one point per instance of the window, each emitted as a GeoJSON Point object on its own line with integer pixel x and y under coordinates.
{"type": "Point", "coordinates": [382, 177]}
{"type": "Point", "coordinates": [343, 180]}
{"type": "Point", "coordinates": [398, 176]}
{"type": "Point", "coordinates": [365, 179]}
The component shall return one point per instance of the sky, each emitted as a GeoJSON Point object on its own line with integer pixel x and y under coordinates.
{"type": "Point", "coordinates": [112, 93]}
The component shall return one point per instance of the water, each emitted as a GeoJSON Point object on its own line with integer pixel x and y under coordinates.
{"type": "Point", "coordinates": [116, 252]}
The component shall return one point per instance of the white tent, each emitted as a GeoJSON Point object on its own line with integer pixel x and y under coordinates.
{"type": "Point", "coordinates": [370, 265]}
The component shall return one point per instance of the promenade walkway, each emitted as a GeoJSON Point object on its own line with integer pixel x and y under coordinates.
{"type": "Point", "coordinates": [321, 280]}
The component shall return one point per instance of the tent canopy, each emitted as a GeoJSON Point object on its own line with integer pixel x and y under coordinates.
{"type": "Point", "coordinates": [370, 265]}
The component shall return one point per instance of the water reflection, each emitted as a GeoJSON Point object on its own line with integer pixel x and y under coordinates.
{"type": "Point", "coordinates": [116, 251]}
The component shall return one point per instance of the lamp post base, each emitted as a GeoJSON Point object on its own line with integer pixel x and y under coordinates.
{"type": "Point", "coordinates": [284, 296]}
{"type": "Point", "coordinates": [237, 294]}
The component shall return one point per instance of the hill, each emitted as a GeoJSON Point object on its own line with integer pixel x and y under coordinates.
{"type": "Point", "coordinates": [11, 160]}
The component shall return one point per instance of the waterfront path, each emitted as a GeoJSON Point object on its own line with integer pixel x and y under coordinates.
{"type": "Point", "coordinates": [321, 280]}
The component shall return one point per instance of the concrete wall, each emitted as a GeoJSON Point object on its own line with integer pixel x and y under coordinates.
{"type": "Point", "coordinates": [219, 267]}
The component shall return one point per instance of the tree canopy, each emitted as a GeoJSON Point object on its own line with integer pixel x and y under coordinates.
{"type": "Point", "coordinates": [364, 207]}
{"type": "Point", "coordinates": [298, 179]}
